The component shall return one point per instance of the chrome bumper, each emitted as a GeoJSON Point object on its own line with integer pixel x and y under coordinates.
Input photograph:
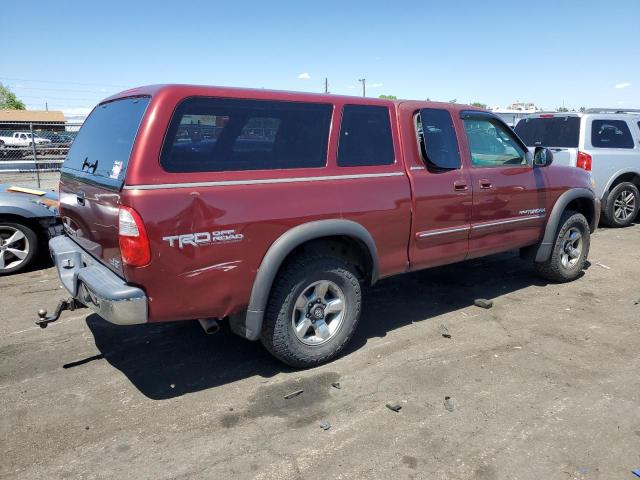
{"type": "Point", "coordinates": [97, 287]}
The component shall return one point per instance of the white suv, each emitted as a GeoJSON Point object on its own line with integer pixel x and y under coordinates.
{"type": "Point", "coordinates": [605, 142]}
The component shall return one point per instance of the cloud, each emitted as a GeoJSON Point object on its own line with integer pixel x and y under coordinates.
{"type": "Point", "coordinates": [352, 87]}
{"type": "Point", "coordinates": [622, 85]}
{"type": "Point", "coordinates": [376, 85]}
{"type": "Point", "coordinates": [304, 76]}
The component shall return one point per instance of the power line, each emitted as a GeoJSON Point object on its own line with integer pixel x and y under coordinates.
{"type": "Point", "coordinates": [63, 82]}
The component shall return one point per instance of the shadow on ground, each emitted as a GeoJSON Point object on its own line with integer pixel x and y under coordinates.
{"type": "Point", "coordinates": [171, 359]}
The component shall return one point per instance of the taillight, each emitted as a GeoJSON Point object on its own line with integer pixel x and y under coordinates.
{"type": "Point", "coordinates": [132, 237]}
{"type": "Point", "coordinates": [584, 161]}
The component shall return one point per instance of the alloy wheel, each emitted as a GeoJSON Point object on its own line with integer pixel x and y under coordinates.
{"type": "Point", "coordinates": [318, 312]}
{"type": "Point", "coordinates": [14, 247]}
{"type": "Point", "coordinates": [624, 205]}
{"type": "Point", "coordinates": [571, 247]}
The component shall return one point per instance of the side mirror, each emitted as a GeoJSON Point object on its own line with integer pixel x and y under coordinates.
{"type": "Point", "coordinates": [542, 157]}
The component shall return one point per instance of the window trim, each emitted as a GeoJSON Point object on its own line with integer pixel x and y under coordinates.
{"type": "Point", "coordinates": [624, 122]}
{"type": "Point", "coordinates": [391, 136]}
{"type": "Point", "coordinates": [491, 118]}
{"type": "Point", "coordinates": [258, 172]}
{"type": "Point", "coordinates": [437, 169]}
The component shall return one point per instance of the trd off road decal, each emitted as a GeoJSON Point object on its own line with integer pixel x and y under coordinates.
{"type": "Point", "coordinates": [204, 238]}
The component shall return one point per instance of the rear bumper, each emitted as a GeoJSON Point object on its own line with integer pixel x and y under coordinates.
{"type": "Point", "coordinates": [95, 286]}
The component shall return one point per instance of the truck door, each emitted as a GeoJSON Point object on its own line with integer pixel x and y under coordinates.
{"type": "Point", "coordinates": [508, 193]}
{"type": "Point", "coordinates": [441, 188]}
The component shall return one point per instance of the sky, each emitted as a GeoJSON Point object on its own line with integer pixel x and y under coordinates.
{"type": "Point", "coordinates": [575, 53]}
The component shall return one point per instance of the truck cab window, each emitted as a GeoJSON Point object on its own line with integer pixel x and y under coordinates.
{"type": "Point", "coordinates": [491, 145]}
{"type": "Point", "coordinates": [365, 136]}
{"type": "Point", "coordinates": [437, 140]}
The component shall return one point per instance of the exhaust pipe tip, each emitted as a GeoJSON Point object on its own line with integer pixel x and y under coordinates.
{"type": "Point", "coordinates": [209, 325]}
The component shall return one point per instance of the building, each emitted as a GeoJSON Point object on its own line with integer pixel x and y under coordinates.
{"type": "Point", "coordinates": [51, 120]}
{"type": "Point", "coordinates": [514, 112]}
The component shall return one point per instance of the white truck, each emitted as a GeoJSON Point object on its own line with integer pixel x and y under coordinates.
{"type": "Point", "coordinates": [22, 139]}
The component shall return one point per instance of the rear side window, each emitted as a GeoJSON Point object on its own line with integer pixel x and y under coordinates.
{"type": "Point", "coordinates": [561, 132]}
{"type": "Point", "coordinates": [611, 134]}
{"type": "Point", "coordinates": [365, 136]}
{"type": "Point", "coordinates": [102, 148]}
{"type": "Point", "coordinates": [216, 134]}
{"type": "Point", "coordinates": [437, 139]}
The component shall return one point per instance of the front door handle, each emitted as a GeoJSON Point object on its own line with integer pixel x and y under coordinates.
{"type": "Point", "coordinates": [460, 186]}
{"type": "Point", "coordinates": [80, 197]}
{"type": "Point", "coordinates": [485, 184]}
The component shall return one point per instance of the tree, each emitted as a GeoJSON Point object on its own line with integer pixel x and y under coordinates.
{"type": "Point", "coordinates": [563, 109]}
{"type": "Point", "coordinates": [9, 101]}
{"type": "Point", "coordinates": [582, 109]}
{"type": "Point", "coordinates": [453, 101]}
{"type": "Point", "coordinates": [388, 97]}
{"type": "Point", "coordinates": [479, 105]}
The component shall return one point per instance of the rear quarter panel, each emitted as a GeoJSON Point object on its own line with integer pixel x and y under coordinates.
{"type": "Point", "coordinates": [216, 280]}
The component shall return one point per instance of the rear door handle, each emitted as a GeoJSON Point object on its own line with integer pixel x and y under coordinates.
{"type": "Point", "coordinates": [80, 197]}
{"type": "Point", "coordinates": [485, 184]}
{"type": "Point", "coordinates": [460, 186]}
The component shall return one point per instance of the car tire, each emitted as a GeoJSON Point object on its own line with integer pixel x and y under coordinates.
{"type": "Point", "coordinates": [622, 205]}
{"type": "Point", "coordinates": [570, 249]}
{"type": "Point", "coordinates": [310, 293]}
{"type": "Point", "coordinates": [26, 243]}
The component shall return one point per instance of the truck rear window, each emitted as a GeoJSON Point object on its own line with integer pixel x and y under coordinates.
{"type": "Point", "coordinates": [221, 134]}
{"type": "Point", "coordinates": [102, 148]}
{"type": "Point", "coordinates": [562, 132]}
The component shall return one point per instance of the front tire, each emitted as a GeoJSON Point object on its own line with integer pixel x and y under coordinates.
{"type": "Point", "coordinates": [570, 250]}
{"type": "Point", "coordinates": [622, 205]}
{"type": "Point", "coordinates": [18, 247]}
{"type": "Point", "coordinates": [313, 310]}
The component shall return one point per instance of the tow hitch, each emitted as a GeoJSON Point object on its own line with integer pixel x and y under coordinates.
{"type": "Point", "coordinates": [68, 304]}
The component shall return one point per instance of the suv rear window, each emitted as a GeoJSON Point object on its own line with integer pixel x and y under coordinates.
{"type": "Point", "coordinates": [102, 148]}
{"type": "Point", "coordinates": [611, 134]}
{"type": "Point", "coordinates": [562, 132]}
{"type": "Point", "coordinates": [216, 134]}
{"type": "Point", "coordinates": [365, 136]}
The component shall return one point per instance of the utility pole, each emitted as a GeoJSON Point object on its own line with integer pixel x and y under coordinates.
{"type": "Point", "coordinates": [364, 86]}
{"type": "Point", "coordinates": [326, 85]}
{"type": "Point", "coordinates": [46, 106]}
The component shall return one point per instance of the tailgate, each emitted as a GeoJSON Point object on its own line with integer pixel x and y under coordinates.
{"type": "Point", "coordinates": [93, 174]}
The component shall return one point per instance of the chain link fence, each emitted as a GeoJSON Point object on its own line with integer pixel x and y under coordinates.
{"type": "Point", "coordinates": [29, 152]}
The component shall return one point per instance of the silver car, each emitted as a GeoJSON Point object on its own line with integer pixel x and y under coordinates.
{"type": "Point", "coordinates": [605, 142]}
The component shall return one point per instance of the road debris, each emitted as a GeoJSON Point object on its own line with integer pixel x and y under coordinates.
{"type": "Point", "coordinates": [444, 331]}
{"type": "Point", "coordinates": [603, 266]}
{"type": "Point", "coordinates": [293, 394]}
{"type": "Point", "coordinates": [483, 303]}
{"type": "Point", "coordinates": [449, 403]}
{"type": "Point", "coordinates": [325, 425]}
{"type": "Point", "coordinates": [394, 407]}
{"type": "Point", "coordinates": [336, 385]}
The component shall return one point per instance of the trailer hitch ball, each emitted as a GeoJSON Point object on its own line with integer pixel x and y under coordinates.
{"type": "Point", "coordinates": [68, 304]}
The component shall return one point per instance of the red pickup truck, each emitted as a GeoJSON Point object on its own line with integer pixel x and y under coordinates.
{"type": "Point", "coordinates": [273, 210]}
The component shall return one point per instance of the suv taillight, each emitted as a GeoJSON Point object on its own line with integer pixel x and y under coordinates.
{"type": "Point", "coordinates": [132, 237]}
{"type": "Point", "coordinates": [584, 161]}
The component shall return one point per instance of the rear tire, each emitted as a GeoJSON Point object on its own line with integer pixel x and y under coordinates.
{"type": "Point", "coordinates": [570, 249]}
{"type": "Point", "coordinates": [622, 205]}
{"type": "Point", "coordinates": [18, 247]}
{"type": "Point", "coordinates": [313, 310]}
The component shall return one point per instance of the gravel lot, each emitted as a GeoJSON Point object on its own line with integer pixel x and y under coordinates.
{"type": "Point", "coordinates": [543, 386]}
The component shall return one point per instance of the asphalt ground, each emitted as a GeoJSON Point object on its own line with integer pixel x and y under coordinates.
{"type": "Point", "coordinates": [544, 385]}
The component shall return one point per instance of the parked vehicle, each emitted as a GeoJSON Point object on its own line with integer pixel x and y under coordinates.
{"type": "Point", "coordinates": [273, 210]}
{"type": "Point", "coordinates": [605, 142]}
{"type": "Point", "coordinates": [28, 219]}
{"type": "Point", "coordinates": [23, 139]}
